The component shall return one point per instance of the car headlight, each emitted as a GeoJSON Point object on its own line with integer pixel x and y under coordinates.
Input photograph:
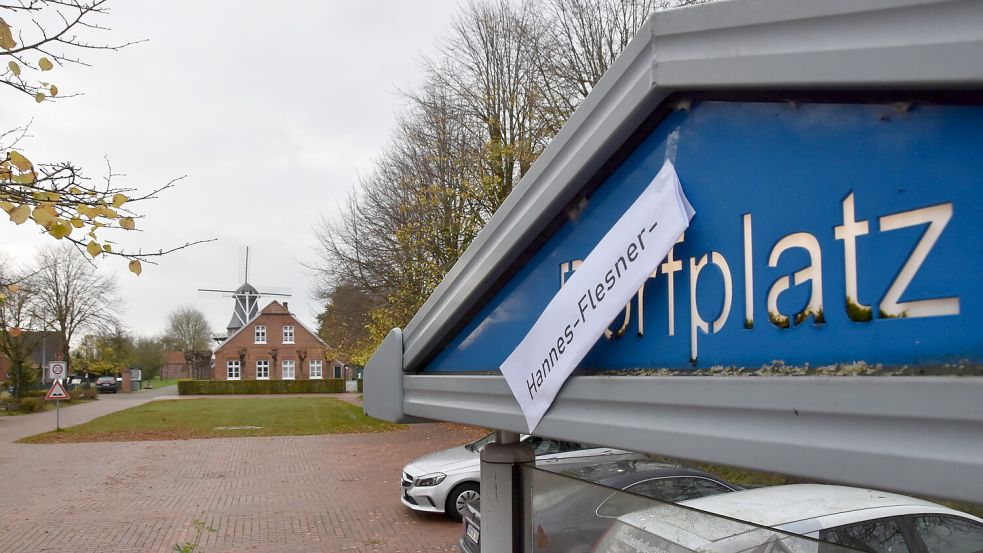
{"type": "Point", "coordinates": [429, 480]}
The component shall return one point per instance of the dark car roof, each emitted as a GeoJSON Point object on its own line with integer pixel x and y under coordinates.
{"type": "Point", "coordinates": [621, 473]}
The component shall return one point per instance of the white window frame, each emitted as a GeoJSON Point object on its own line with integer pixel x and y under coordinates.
{"type": "Point", "coordinates": [286, 329]}
{"type": "Point", "coordinates": [293, 369]}
{"type": "Point", "coordinates": [229, 366]}
{"type": "Point", "coordinates": [315, 363]}
{"type": "Point", "coordinates": [266, 364]}
{"type": "Point", "coordinates": [260, 334]}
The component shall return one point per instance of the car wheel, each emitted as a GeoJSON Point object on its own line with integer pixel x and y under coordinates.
{"type": "Point", "coordinates": [459, 499]}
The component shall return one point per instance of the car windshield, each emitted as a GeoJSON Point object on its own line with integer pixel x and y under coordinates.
{"type": "Point", "coordinates": [477, 445]}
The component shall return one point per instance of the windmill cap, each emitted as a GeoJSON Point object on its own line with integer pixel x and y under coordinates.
{"type": "Point", "coordinates": [246, 288]}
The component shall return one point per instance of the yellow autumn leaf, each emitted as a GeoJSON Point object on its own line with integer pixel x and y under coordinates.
{"type": "Point", "coordinates": [6, 206]}
{"type": "Point", "coordinates": [135, 267]}
{"type": "Point", "coordinates": [39, 97]}
{"type": "Point", "coordinates": [7, 41]}
{"type": "Point", "coordinates": [93, 249]}
{"type": "Point", "coordinates": [24, 178]}
{"type": "Point", "coordinates": [13, 288]}
{"type": "Point", "coordinates": [14, 332]}
{"type": "Point", "coordinates": [76, 222]}
{"type": "Point", "coordinates": [14, 68]}
{"type": "Point", "coordinates": [20, 161]}
{"type": "Point", "coordinates": [45, 64]}
{"type": "Point", "coordinates": [107, 248]}
{"type": "Point", "coordinates": [75, 190]}
{"type": "Point", "coordinates": [47, 196]}
{"type": "Point", "coordinates": [119, 200]}
{"type": "Point", "coordinates": [42, 217]}
{"type": "Point", "coordinates": [53, 90]}
{"type": "Point", "coordinates": [20, 214]}
{"type": "Point", "coordinates": [60, 229]}
{"type": "Point", "coordinates": [127, 223]}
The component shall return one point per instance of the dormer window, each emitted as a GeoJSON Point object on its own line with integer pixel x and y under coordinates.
{"type": "Point", "coordinates": [260, 334]}
{"type": "Point", "coordinates": [288, 334]}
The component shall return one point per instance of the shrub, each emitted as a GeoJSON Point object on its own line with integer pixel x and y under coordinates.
{"type": "Point", "coordinates": [33, 393]}
{"type": "Point", "coordinates": [218, 387]}
{"type": "Point", "coordinates": [360, 390]}
{"type": "Point", "coordinates": [31, 404]}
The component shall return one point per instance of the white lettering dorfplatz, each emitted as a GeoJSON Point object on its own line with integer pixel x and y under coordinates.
{"type": "Point", "coordinates": [590, 299]}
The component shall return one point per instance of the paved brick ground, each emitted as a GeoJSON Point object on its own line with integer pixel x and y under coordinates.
{"type": "Point", "coordinates": [274, 494]}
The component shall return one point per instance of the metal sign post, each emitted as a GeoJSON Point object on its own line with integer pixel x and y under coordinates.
{"type": "Point", "coordinates": [57, 393]}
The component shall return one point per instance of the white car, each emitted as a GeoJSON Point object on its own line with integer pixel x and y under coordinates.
{"type": "Point", "coordinates": [448, 481]}
{"type": "Point", "coordinates": [790, 519]}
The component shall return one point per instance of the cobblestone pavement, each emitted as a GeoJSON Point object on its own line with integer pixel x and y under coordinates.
{"type": "Point", "coordinates": [272, 494]}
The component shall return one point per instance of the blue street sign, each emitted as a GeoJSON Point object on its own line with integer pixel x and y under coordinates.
{"type": "Point", "coordinates": [824, 234]}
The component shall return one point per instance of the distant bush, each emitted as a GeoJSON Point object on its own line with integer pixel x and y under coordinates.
{"type": "Point", "coordinates": [31, 404]}
{"type": "Point", "coordinates": [218, 387]}
{"type": "Point", "coordinates": [360, 390]}
{"type": "Point", "coordinates": [83, 393]}
{"type": "Point", "coordinates": [33, 393]}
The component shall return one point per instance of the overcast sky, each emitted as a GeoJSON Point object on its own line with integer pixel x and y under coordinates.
{"type": "Point", "coordinates": [271, 109]}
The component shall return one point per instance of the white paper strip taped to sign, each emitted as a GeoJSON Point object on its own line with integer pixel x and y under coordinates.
{"type": "Point", "coordinates": [589, 300]}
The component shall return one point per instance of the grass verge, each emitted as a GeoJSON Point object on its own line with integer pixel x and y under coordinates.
{"type": "Point", "coordinates": [221, 418]}
{"type": "Point", "coordinates": [160, 383]}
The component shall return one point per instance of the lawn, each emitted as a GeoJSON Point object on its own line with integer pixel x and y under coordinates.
{"type": "Point", "coordinates": [161, 382]}
{"type": "Point", "coordinates": [221, 418]}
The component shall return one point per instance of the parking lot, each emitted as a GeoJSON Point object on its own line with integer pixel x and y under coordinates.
{"type": "Point", "coordinates": [275, 494]}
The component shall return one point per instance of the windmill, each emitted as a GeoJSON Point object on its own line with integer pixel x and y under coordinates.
{"type": "Point", "coordinates": [246, 296]}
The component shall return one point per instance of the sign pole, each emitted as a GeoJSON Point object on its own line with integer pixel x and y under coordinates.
{"type": "Point", "coordinates": [57, 393]}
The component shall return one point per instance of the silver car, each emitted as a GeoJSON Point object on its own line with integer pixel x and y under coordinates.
{"type": "Point", "coordinates": [448, 481]}
{"type": "Point", "coordinates": [798, 518]}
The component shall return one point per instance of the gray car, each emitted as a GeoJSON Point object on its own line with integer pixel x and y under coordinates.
{"type": "Point", "coordinates": [573, 520]}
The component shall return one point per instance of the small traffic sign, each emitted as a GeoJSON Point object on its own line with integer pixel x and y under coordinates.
{"type": "Point", "coordinates": [57, 391]}
{"type": "Point", "coordinates": [57, 370]}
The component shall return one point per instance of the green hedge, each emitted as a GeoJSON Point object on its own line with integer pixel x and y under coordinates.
{"type": "Point", "coordinates": [217, 387]}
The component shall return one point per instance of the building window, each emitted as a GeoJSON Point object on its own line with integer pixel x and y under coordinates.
{"type": "Point", "coordinates": [233, 368]}
{"type": "Point", "coordinates": [337, 371]}
{"type": "Point", "coordinates": [262, 370]}
{"type": "Point", "coordinates": [315, 366]}
{"type": "Point", "coordinates": [288, 369]}
{"type": "Point", "coordinates": [288, 334]}
{"type": "Point", "coordinates": [260, 334]}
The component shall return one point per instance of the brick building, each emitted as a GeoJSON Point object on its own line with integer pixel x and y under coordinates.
{"type": "Point", "coordinates": [175, 365]}
{"type": "Point", "coordinates": [273, 346]}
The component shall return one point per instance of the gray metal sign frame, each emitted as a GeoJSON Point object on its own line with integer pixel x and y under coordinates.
{"type": "Point", "coordinates": [920, 435]}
